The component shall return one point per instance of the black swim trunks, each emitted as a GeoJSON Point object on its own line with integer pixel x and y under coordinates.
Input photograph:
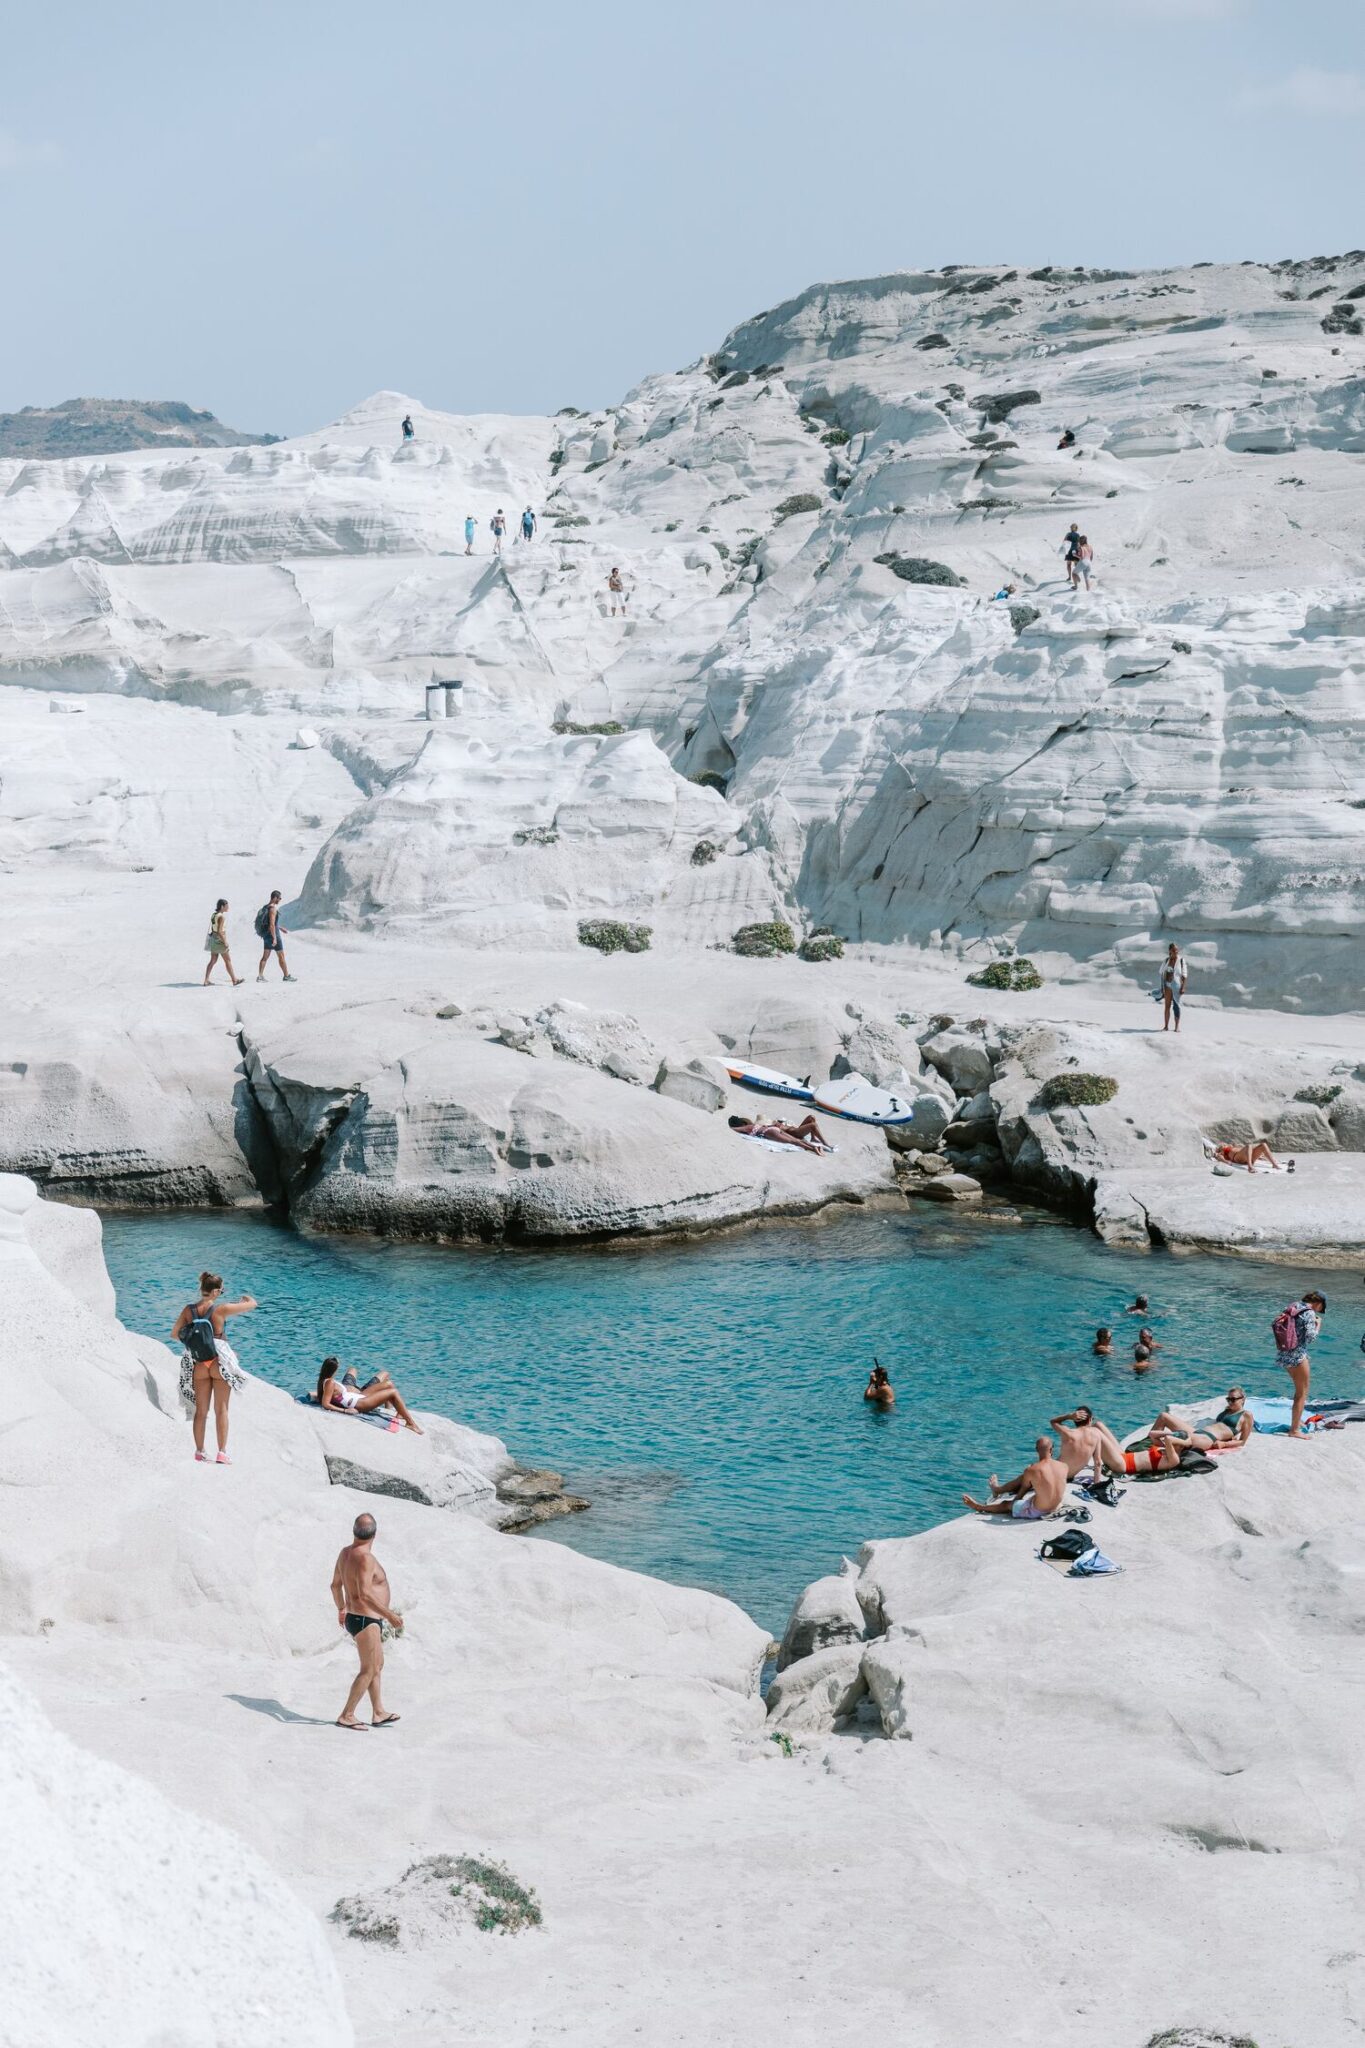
{"type": "Point", "coordinates": [357, 1623]}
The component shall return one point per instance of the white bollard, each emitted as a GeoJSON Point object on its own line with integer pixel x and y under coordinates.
{"type": "Point", "coordinates": [453, 693]}
{"type": "Point", "coordinates": [435, 702]}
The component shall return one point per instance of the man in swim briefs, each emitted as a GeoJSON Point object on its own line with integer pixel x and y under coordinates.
{"type": "Point", "coordinates": [1037, 1493]}
{"type": "Point", "coordinates": [807, 1134]}
{"type": "Point", "coordinates": [360, 1588]}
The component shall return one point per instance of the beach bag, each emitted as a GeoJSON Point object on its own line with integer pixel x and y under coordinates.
{"type": "Point", "coordinates": [199, 1340]}
{"type": "Point", "coordinates": [1069, 1545]}
{"type": "Point", "coordinates": [1288, 1335]}
{"type": "Point", "coordinates": [263, 922]}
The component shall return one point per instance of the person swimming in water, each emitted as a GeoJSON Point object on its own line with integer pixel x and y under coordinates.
{"type": "Point", "coordinates": [1103, 1346]}
{"type": "Point", "coordinates": [879, 1387]}
{"type": "Point", "coordinates": [1137, 1306]}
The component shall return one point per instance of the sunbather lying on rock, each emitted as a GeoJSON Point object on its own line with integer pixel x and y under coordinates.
{"type": "Point", "coordinates": [379, 1392]}
{"type": "Point", "coordinates": [1036, 1493]}
{"type": "Point", "coordinates": [1232, 1425]}
{"type": "Point", "coordinates": [1250, 1156]}
{"type": "Point", "coordinates": [807, 1134]}
{"type": "Point", "coordinates": [1091, 1443]}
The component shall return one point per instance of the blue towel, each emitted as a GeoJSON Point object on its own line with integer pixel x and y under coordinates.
{"type": "Point", "coordinates": [1094, 1565]}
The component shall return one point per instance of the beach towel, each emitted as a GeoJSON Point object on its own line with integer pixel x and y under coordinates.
{"type": "Point", "coordinates": [1094, 1565]}
{"type": "Point", "coordinates": [1272, 1416]}
{"type": "Point", "coordinates": [777, 1145]}
{"type": "Point", "coordinates": [389, 1422]}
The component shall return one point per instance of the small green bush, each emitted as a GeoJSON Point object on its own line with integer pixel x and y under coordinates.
{"type": "Point", "coordinates": [1022, 615]}
{"type": "Point", "coordinates": [362, 1923]}
{"type": "Point", "coordinates": [1012, 974]}
{"type": "Point", "coordinates": [536, 835]}
{"type": "Point", "coordinates": [607, 935]}
{"type": "Point", "coordinates": [1319, 1094]}
{"type": "Point", "coordinates": [570, 519]}
{"type": "Point", "coordinates": [502, 1905]}
{"type": "Point", "coordinates": [822, 945]}
{"type": "Point", "coordinates": [606, 728]}
{"type": "Point", "coordinates": [708, 779]}
{"type": "Point", "coordinates": [1078, 1091]}
{"type": "Point", "coordinates": [704, 852]}
{"type": "Point", "coordinates": [804, 501]}
{"type": "Point", "coordinates": [918, 569]}
{"type": "Point", "coordinates": [836, 438]}
{"type": "Point", "coordinates": [764, 941]}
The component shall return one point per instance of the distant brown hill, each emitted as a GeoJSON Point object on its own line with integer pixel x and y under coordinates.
{"type": "Point", "coordinates": [104, 426]}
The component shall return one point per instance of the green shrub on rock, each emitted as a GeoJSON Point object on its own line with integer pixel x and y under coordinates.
{"type": "Point", "coordinates": [606, 728]}
{"type": "Point", "coordinates": [764, 941]}
{"type": "Point", "coordinates": [704, 852]}
{"type": "Point", "coordinates": [1319, 1093]}
{"type": "Point", "coordinates": [804, 501]}
{"type": "Point", "coordinates": [919, 569]}
{"type": "Point", "coordinates": [1078, 1091]}
{"type": "Point", "coordinates": [822, 945]}
{"type": "Point", "coordinates": [606, 935]}
{"type": "Point", "coordinates": [1023, 615]}
{"type": "Point", "coordinates": [1012, 974]}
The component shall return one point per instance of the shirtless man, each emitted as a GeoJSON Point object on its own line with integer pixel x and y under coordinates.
{"type": "Point", "coordinates": [1036, 1493]}
{"type": "Point", "coordinates": [807, 1134]}
{"type": "Point", "coordinates": [360, 1588]}
{"type": "Point", "coordinates": [1090, 1443]}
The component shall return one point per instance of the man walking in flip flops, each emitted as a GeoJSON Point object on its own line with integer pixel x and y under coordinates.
{"type": "Point", "coordinates": [360, 1588]}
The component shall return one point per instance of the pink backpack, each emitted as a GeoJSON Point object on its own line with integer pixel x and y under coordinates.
{"type": "Point", "coordinates": [1288, 1336]}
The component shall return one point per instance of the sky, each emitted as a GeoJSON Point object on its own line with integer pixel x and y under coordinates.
{"type": "Point", "coordinates": [275, 207]}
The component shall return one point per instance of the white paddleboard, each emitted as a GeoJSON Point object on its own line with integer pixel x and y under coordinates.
{"type": "Point", "coordinates": [767, 1080]}
{"type": "Point", "coordinates": [855, 1098]}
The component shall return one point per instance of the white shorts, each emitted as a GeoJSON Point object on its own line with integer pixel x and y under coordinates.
{"type": "Point", "coordinates": [1026, 1509]}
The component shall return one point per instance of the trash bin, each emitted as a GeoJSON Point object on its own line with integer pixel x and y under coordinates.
{"type": "Point", "coordinates": [435, 701]}
{"type": "Point", "coordinates": [453, 693]}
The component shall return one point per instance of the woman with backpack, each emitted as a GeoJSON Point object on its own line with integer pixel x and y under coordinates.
{"type": "Point", "coordinates": [209, 1368]}
{"type": "Point", "coordinates": [1295, 1328]}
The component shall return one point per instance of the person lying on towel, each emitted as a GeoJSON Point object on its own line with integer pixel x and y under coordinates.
{"type": "Point", "coordinates": [1168, 1441]}
{"type": "Point", "coordinates": [807, 1134]}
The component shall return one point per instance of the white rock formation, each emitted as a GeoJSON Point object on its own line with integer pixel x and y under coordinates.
{"type": "Point", "coordinates": [134, 1923]}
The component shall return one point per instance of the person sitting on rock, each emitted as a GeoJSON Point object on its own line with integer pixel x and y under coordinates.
{"type": "Point", "coordinates": [381, 1392]}
{"type": "Point", "coordinates": [1037, 1493]}
{"type": "Point", "coordinates": [1068, 439]}
{"type": "Point", "coordinates": [1089, 1442]}
{"type": "Point", "coordinates": [1232, 1425]}
{"type": "Point", "coordinates": [807, 1134]}
{"type": "Point", "coordinates": [879, 1387]}
{"type": "Point", "coordinates": [1103, 1346]}
{"type": "Point", "coordinates": [1249, 1156]}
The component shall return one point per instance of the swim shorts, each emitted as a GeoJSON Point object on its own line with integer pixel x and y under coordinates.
{"type": "Point", "coordinates": [1026, 1509]}
{"type": "Point", "coordinates": [356, 1624]}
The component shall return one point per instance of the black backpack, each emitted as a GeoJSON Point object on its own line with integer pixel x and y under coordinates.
{"type": "Point", "coordinates": [1069, 1544]}
{"type": "Point", "coordinates": [199, 1338]}
{"type": "Point", "coordinates": [263, 922]}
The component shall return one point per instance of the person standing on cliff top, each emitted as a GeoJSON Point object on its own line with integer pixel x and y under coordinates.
{"type": "Point", "coordinates": [1171, 987]}
{"type": "Point", "coordinates": [1070, 552]}
{"type": "Point", "coordinates": [360, 1589]}
{"type": "Point", "coordinates": [1295, 1328]}
{"type": "Point", "coordinates": [409, 431]}
{"type": "Point", "coordinates": [497, 526]}
{"type": "Point", "coordinates": [616, 591]}
{"type": "Point", "coordinates": [469, 533]}
{"type": "Point", "coordinates": [528, 525]}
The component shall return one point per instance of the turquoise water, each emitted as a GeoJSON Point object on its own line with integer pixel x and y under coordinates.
{"type": "Point", "coordinates": [707, 1397]}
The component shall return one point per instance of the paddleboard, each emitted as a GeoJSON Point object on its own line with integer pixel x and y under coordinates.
{"type": "Point", "coordinates": [854, 1098]}
{"type": "Point", "coordinates": [767, 1080]}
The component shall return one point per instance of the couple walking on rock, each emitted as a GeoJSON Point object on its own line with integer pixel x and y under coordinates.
{"type": "Point", "coordinates": [269, 930]}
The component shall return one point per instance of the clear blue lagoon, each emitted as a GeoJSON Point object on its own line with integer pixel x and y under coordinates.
{"type": "Point", "coordinates": [707, 1398]}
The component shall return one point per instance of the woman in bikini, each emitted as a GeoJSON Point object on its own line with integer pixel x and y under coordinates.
{"type": "Point", "coordinates": [1169, 1441]}
{"type": "Point", "coordinates": [210, 1369]}
{"type": "Point", "coordinates": [381, 1392]}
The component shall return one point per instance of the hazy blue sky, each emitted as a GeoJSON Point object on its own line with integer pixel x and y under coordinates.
{"type": "Point", "coordinates": [274, 207]}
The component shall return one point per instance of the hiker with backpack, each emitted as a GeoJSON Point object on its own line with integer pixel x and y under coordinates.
{"type": "Point", "coordinates": [209, 1367]}
{"type": "Point", "coordinates": [272, 934]}
{"type": "Point", "coordinates": [1294, 1330]}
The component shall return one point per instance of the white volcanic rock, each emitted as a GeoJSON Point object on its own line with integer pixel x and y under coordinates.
{"type": "Point", "coordinates": [1177, 752]}
{"type": "Point", "coordinates": [820, 1691]}
{"type": "Point", "coordinates": [423, 1127]}
{"type": "Point", "coordinates": [826, 1613]}
{"type": "Point", "coordinates": [138, 1924]}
